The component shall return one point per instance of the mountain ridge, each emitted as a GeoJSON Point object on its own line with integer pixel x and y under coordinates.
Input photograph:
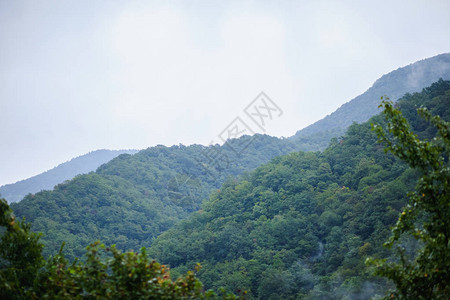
{"type": "Point", "coordinates": [133, 198]}
{"type": "Point", "coordinates": [315, 137]}
{"type": "Point", "coordinates": [408, 79]}
{"type": "Point", "coordinates": [82, 164]}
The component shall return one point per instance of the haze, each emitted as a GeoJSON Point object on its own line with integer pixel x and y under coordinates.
{"type": "Point", "coordinates": [76, 76]}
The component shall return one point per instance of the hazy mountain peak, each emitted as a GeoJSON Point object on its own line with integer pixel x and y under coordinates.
{"type": "Point", "coordinates": [409, 79]}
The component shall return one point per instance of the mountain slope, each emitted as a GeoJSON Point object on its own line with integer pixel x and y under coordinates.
{"type": "Point", "coordinates": [395, 84]}
{"type": "Point", "coordinates": [46, 181]}
{"type": "Point", "coordinates": [301, 226]}
{"type": "Point", "coordinates": [132, 199]}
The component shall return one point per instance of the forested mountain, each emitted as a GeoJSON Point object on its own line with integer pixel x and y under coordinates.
{"type": "Point", "coordinates": [297, 227]}
{"type": "Point", "coordinates": [395, 84]}
{"type": "Point", "coordinates": [302, 225]}
{"type": "Point", "coordinates": [133, 198]}
{"type": "Point", "coordinates": [46, 181]}
{"type": "Point", "coordinates": [317, 136]}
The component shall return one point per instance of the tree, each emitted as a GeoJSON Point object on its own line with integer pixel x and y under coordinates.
{"type": "Point", "coordinates": [108, 273]}
{"type": "Point", "coordinates": [20, 255]}
{"type": "Point", "coordinates": [105, 273]}
{"type": "Point", "coordinates": [427, 216]}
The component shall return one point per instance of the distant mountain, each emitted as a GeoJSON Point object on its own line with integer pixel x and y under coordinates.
{"type": "Point", "coordinates": [46, 181]}
{"type": "Point", "coordinates": [409, 79]}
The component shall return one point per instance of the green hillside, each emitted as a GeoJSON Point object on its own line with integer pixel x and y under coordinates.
{"type": "Point", "coordinates": [302, 225]}
{"type": "Point", "coordinates": [133, 198]}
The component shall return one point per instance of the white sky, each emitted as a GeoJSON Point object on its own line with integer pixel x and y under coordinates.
{"type": "Point", "coordinates": [77, 76]}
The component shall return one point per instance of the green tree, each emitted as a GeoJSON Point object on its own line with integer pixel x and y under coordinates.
{"type": "Point", "coordinates": [427, 216]}
{"type": "Point", "coordinates": [20, 255]}
{"type": "Point", "coordinates": [108, 273]}
{"type": "Point", "coordinates": [105, 273]}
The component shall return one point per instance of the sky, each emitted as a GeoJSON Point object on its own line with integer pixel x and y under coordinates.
{"type": "Point", "coordinates": [76, 76]}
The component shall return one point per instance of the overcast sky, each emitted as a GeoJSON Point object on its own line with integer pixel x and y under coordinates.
{"type": "Point", "coordinates": [77, 76]}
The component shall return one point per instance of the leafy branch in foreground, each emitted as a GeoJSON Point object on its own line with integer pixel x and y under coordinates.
{"type": "Point", "coordinates": [427, 216]}
{"type": "Point", "coordinates": [20, 255]}
{"type": "Point", "coordinates": [106, 273]}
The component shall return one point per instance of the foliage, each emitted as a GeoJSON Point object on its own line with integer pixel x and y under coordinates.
{"type": "Point", "coordinates": [426, 275]}
{"type": "Point", "coordinates": [20, 255]}
{"type": "Point", "coordinates": [109, 274]}
{"type": "Point", "coordinates": [106, 273]}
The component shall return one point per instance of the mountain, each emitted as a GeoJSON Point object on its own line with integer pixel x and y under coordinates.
{"type": "Point", "coordinates": [130, 200]}
{"type": "Point", "coordinates": [317, 136]}
{"type": "Point", "coordinates": [305, 219]}
{"type": "Point", "coordinates": [46, 181]}
{"type": "Point", "coordinates": [395, 84]}
{"type": "Point", "coordinates": [302, 226]}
